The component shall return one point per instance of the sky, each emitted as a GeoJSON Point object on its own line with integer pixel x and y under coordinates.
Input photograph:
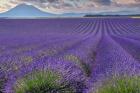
{"type": "Point", "coordinates": [76, 6]}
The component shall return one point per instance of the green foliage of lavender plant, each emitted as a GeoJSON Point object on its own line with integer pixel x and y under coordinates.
{"type": "Point", "coordinates": [41, 82]}
{"type": "Point", "coordinates": [1, 84]}
{"type": "Point", "coordinates": [121, 84]}
{"type": "Point", "coordinates": [85, 67]}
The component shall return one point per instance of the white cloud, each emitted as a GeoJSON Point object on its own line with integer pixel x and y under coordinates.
{"type": "Point", "coordinates": [78, 6]}
{"type": "Point", "coordinates": [127, 2]}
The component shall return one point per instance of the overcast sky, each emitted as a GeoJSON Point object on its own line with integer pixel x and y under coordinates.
{"type": "Point", "coordinates": [76, 6]}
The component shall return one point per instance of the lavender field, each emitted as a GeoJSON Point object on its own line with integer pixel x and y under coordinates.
{"type": "Point", "coordinates": [70, 55]}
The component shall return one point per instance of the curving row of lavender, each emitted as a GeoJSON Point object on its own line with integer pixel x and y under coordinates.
{"type": "Point", "coordinates": [67, 55]}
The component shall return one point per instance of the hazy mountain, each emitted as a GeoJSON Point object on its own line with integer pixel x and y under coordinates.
{"type": "Point", "coordinates": [24, 10]}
